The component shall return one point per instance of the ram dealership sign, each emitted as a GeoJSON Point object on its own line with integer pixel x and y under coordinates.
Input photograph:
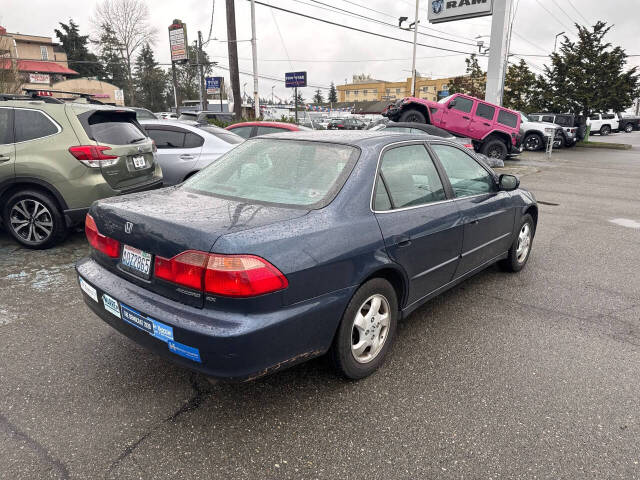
{"type": "Point", "coordinates": [448, 10]}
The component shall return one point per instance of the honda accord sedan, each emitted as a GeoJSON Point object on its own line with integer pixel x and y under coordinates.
{"type": "Point", "coordinates": [298, 244]}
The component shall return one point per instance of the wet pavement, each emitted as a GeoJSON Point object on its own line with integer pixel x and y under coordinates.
{"type": "Point", "coordinates": [532, 375]}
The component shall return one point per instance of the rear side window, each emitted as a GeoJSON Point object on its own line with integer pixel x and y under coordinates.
{"type": "Point", "coordinates": [6, 126]}
{"type": "Point", "coordinates": [595, 117]}
{"type": "Point", "coordinates": [608, 116]}
{"type": "Point", "coordinates": [507, 118]}
{"type": "Point", "coordinates": [224, 135]}
{"type": "Point", "coordinates": [267, 130]}
{"type": "Point", "coordinates": [463, 104]}
{"type": "Point", "coordinates": [401, 129]}
{"type": "Point", "coordinates": [167, 138]}
{"type": "Point", "coordinates": [244, 132]}
{"type": "Point", "coordinates": [411, 177]}
{"type": "Point", "coordinates": [32, 124]}
{"type": "Point", "coordinates": [114, 129]}
{"type": "Point", "coordinates": [485, 111]}
{"type": "Point", "coordinates": [564, 121]}
{"type": "Point", "coordinates": [547, 118]}
{"type": "Point", "coordinates": [191, 140]}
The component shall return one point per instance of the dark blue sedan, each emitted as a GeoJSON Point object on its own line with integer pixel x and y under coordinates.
{"type": "Point", "coordinates": [298, 244]}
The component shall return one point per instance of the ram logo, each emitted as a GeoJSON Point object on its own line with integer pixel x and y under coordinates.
{"type": "Point", "coordinates": [437, 5]}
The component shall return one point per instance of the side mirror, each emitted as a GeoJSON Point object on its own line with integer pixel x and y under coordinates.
{"type": "Point", "coordinates": [452, 103]}
{"type": "Point", "coordinates": [508, 182]}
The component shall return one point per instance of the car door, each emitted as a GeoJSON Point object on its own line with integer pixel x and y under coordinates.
{"type": "Point", "coordinates": [7, 146]}
{"type": "Point", "coordinates": [178, 151]}
{"type": "Point", "coordinates": [482, 119]}
{"type": "Point", "coordinates": [487, 214]}
{"type": "Point", "coordinates": [457, 116]}
{"type": "Point", "coordinates": [419, 222]}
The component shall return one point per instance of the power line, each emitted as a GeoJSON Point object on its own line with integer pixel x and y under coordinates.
{"type": "Point", "coordinates": [579, 12]}
{"type": "Point", "coordinates": [563, 11]}
{"type": "Point", "coordinates": [360, 60]}
{"type": "Point", "coordinates": [552, 15]}
{"type": "Point", "coordinates": [359, 29]}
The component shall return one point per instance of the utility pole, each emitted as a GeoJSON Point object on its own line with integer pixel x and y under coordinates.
{"type": "Point", "coordinates": [232, 49]}
{"type": "Point", "coordinates": [295, 96]}
{"type": "Point", "coordinates": [415, 41]}
{"type": "Point", "coordinates": [254, 51]}
{"type": "Point", "coordinates": [200, 74]}
{"type": "Point", "coordinates": [498, 53]}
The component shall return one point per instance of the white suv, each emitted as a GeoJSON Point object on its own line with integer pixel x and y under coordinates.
{"type": "Point", "coordinates": [603, 123]}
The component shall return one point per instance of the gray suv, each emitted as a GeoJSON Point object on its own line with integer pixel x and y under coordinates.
{"type": "Point", "coordinates": [57, 158]}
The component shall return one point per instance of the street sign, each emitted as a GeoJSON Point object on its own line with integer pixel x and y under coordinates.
{"type": "Point", "coordinates": [295, 79]}
{"type": "Point", "coordinates": [448, 10]}
{"type": "Point", "coordinates": [178, 42]}
{"type": "Point", "coordinates": [214, 84]}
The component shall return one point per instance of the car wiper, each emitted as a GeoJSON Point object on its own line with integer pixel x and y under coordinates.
{"type": "Point", "coordinates": [136, 140]}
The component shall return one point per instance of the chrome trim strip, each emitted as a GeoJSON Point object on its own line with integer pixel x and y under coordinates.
{"type": "Point", "coordinates": [464, 254]}
{"type": "Point", "coordinates": [457, 257]}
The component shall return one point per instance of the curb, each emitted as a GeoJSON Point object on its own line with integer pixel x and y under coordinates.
{"type": "Point", "coordinates": [613, 146]}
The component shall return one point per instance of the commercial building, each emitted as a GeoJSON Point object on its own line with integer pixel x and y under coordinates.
{"type": "Point", "coordinates": [366, 89]}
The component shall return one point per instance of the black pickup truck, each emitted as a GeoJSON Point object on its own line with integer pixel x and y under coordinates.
{"type": "Point", "coordinates": [628, 123]}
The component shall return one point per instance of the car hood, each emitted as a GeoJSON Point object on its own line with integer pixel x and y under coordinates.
{"type": "Point", "coordinates": [171, 220]}
{"type": "Point", "coordinates": [539, 125]}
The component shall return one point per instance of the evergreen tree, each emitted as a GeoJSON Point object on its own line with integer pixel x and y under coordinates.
{"type": "Point", "coordinates": [589, 75]}
{"type": "Point", "coordinates": [300, 98]}
{"type": "Point", "coordinates": [150, 81]}
{"type": "Point", "coordinates": [75, 46]}
{"type": "Point", "coordinates": [333, 94]}
{"type": "Point", "coordinates": [473, 82]}
{"type": "Point", "coordinates": [188, 76]}
{"type": "Point", "coordinates": [115, 69]}
{"type": "Point", "coordinates": [521, 89]}
{"type": "Point", "coordinates": [317, 97]}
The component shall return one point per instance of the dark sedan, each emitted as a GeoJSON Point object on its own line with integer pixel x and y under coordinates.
{"type": "Point", "coordinates": [293, 245]}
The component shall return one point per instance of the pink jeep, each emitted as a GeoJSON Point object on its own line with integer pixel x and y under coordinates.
{"type": "Point", "coordinates": [495, 130]}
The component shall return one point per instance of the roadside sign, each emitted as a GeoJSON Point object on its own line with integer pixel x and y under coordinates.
{"type": "Point", "coordinates": [449, 10]}
{"type": "Point", "coordinates": [178, 42]}
{"type": "Point", "coordinates": [213, 85]}
{"type": "Point", "coordinates": [295, 79]}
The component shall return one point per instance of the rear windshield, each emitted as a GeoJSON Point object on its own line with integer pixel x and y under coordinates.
{"type": "Point", "coordinates": [282, 172]}
{"type": "Point", "coordinates": [222, 134]}
{"type": "Point", "coordinates": [114, 129]}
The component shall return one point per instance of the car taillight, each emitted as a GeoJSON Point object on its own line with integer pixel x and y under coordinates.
{"type": "Point", "coordinates": [224, 275]}
{"type": "Point", "coordinates": [469, 146]}
{"type": "Point", "coordinates": [340, 125]}
{"type": "Point", "coordinates": [93, 155]}
{"type": "Point", "coordinates": [102, 243]}
{"type": "Point", "coordinates": [154, 147]}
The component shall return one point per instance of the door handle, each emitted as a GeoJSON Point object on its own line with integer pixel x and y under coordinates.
{"type": "Point", "coordinates": [401, 240]}
{"type": "Point", "coordinates": [187, 157]}
{"type": "Point", "coordinates": [465, 117]}
{"type": "Point", "coordinates": [4, 159]}
{"type": "Point", "coordinates": [486, 124]}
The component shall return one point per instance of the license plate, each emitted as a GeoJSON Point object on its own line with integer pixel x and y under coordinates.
{"type": "Point", "coordinates": [136, 260]}
{"type": "Point", "coordinates": [139, 161]}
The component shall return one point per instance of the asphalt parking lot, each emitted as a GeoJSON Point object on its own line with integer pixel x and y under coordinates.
{"type": "Point", "coordinates": [529, 375]}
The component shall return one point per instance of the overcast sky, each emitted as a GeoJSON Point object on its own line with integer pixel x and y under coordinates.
{"type": "Point", "coordinates": [328, 53]}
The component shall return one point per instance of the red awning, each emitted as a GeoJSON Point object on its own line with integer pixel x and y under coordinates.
{"type": "Point", "coordinates": [40, 67]}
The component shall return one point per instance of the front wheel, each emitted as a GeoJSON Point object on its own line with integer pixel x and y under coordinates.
{"type": "Point", "coordinates": [532, 142]}
{"type": "Point", "coordinates": [412, 115]}
{"type": "Point", "coordinates": [521, 246]}
{"type": "Point", "coordinates": [367, 330]}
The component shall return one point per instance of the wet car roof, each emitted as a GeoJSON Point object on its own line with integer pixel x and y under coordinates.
{"type": "Point", "coordinates": [357, 138]}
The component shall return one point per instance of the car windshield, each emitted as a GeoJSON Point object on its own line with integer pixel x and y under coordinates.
{"type": "Point", "coordinates": [283, 172]}
{"type": "Point", "coordinates": [222, 134]}
{"type": "Point", "coordinates": [523, 117]}
{"type": "Point", "coordinates": [144, 114]}
{"type": "Point", "coordinates": [445, 99]}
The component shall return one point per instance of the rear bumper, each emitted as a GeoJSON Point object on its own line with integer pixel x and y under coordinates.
{"type": "Point", "coordinates": [231, 346]}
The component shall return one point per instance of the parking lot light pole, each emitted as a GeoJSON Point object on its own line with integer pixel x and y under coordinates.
{"type": "Point", "coordinates": [254, 51]}
{"type": "Point", "coordinates": [555, 42]}
{"type": "Point", "coordinates": [415, 41]}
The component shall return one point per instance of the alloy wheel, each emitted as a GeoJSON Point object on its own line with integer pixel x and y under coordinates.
{"type": "Point", "coordinates": [370, 328]}
{"type": "Point", "coordinates": [524, 243]}
{"type": "Point", "coordinates": [31, 220]}
{"type": "Point", "coordinates": [628, 128]}
{"type": "Point", "coordinates": [532, 143]}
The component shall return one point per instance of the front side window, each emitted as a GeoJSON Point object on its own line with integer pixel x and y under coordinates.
{"type": "Point", "coordinates": [283, 172]}
{"type": "Point", "coordinates": [32, 124]}
{"type": "Point", "coordinates": [463, 104]}
{"type": "Point", "coordinates": [485, 111]}
{"type": "Point", "coordinates": [507, 118]}
{"type": "Point", "coordinates": [466, 176]}
{"type": "Point", "coordinates": [595, 117]}
{"type": "Point", "coordinates": [410, 177]}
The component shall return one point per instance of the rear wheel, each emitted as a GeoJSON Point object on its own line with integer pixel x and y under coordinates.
{"type": "Point", "coordinates": [569, 143]}
{"type": "Point", "coordinates": [605, 130]}
{"type": "Point", "coordinates": [34, 219]}
{"type": "Point", "coordinates": [367, 330]}
{"type": "Point", "coordinates": [628, 128]}
{"type": "Point", "coordinates": [532, 142]}
{"type": "Point", "coordinates": [494, 148]}
{"type": "Point", "coordinates": [412, 115]}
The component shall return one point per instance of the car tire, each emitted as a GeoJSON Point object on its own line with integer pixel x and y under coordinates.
{"type": "Point", "coordinates": [412, 115]}
{"type": "Point", "coordinates": [628, 128]}
{"type": "Point", "coordinates": [39, 214]}
{"type": "Point", "coordinates": [569, 143]}
{"type": "Point", "coordinates": [605, 130]}
{"type": "Point", "coordinates": [517, 258]}
{"type": "Point", "coordinates": [494, 148]}
{"type": "Point", "coordinates": [533, 142]}
{"type": "Point", "coordinates": [356, 351]}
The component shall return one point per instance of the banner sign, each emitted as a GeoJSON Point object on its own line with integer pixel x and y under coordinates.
{"type": "Point", "coordinates": [178, 42]}
{"type": "Point", "coordinates": [295, 79]}
{"type": "Point", "coordinates": [449, 10]}
{"type": "Point", "coordinates": [214, 84]}
{"type": "Point", "coordinates": [39, 78]}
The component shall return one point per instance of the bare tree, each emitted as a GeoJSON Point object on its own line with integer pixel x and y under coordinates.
{"type": "Point", "coordinates": [10, 81]}
{"type": "Point", "coordinates": [128, 21]}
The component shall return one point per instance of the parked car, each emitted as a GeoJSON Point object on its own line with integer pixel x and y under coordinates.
{"type": "Point", "coordinates": [186, 148]}
{"type": "Point", "coordinates": [420, 128]}
{"type": "Point", "coordinates": [143, 113]}
{"type": "Point", "coordinates": [568, 122]}
{"type": "Point", "coordinates": [348, 123]}
{"type": "Point", "coordinates": [536, 135]}
{"type": "Point", "coordinates": [628, 123]}
{"type": "Point", "coordinates": [603, 123]}
{"type": "Point", "coordinates": [495, 130]}
{"type": "Point", "coordinates": [57, 158]}
{"type": "Point", "coordinates": [254, 263]}
{"type": "Point", "coordinates": [252, 129]}
{"type": "Point", "coordinates": [166, 115]}
{"type": "Point", "coordinates": [204, 116]}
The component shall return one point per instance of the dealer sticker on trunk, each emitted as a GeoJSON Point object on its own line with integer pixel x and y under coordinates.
{"type": "Point", "coordinates": [88, 289]}
{"type": "Point", "coordinates": [111, 305]}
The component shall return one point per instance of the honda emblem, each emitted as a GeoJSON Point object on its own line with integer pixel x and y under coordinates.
{"type": "Point", "coordinates": [128, 227]}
